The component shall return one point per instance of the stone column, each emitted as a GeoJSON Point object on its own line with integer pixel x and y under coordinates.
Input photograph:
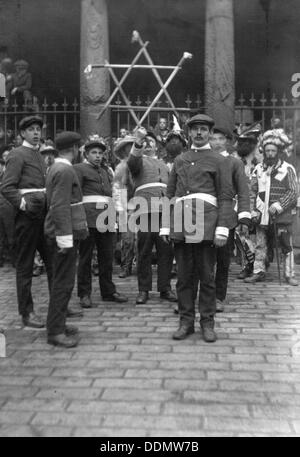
{"type": "Point", "coordinates": [219, 62]}
{"type": "Point", "coordinates": [95, 88]}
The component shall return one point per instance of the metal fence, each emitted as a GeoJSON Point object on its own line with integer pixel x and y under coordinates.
{"type": "Point", "coordinates": [57, 116]}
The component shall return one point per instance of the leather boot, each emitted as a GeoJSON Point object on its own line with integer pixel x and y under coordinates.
{"type": "Point", "coordinates": [208, 332]}
{"type": "Point", "coordinates": [142, 297]}
{"type": "Point", "coordinates": [256, 277]}
{"type": "Point", "coordinates": [183, 332]}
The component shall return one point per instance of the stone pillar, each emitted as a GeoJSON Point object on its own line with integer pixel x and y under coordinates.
{"type": "Point", "coordinates": [219, 62]}
{"type": "Point", "coordinates": [95, 88]}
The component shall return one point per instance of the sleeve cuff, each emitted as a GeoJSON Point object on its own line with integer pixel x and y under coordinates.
{"type": "Point", "coordinates": [222, 231]}
{"type": "Point", "coordinates": [164, 231]}
{"type": "Point", "coordinates": [244, 215]}
{"type": "Point", "coordinates": [278, 207]}
{"type": "Point", "coordinates": [64, 241]}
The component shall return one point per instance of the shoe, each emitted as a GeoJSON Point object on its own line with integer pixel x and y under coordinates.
{"type": "Point", "coordinates": [142, 297]}
{"type": "Point", "coordinates": [74, 311]}
{"type": "Point", "coordinates": [245, 273]}
{"type": "Point", "coordinates": [176, 310]}
{"type": "Point", "coordinates": [116, 297]}
{"type": "Point", "coordinates": [220, 306]}
{"type": "Point", "coordinates": [62, 340]}
{"type": "Point", "coordinates": [256, 277]}
{"type": "Point", "coordinates": [71, 330]}
{"type": "Point", "coordinates": [183, 332]}
{"type": "Point", "coordinates": [208, 333]}
{"type": "Point", "coordinates": [86, 302]}
{"type": "Point", "coordinates": [291, 281]}
{"type": "Point", "coordinates": [33, 321]}
{"type": "Point", "coordinates": [168, 295]}
{"type": "Point", "coordinates": [1, 264]}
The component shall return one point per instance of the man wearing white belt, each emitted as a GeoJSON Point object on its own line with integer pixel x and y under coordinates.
{"type": "Point", "coordinates": [150, 177]}
{"type": "Point", "coordinates": [24, 187]}
{"type": "Point", "coordinates": [201, 184]}
{"type": "Point", "coordinates": [96, 183]}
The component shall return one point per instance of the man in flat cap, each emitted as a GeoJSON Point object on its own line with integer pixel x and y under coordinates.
{"type": "Point", "coordinates": [200, 183]}
{"type": "Point", "coordinates": [150, 178]}
{"type": "Point", "coordinates": [95, 180]}
{"type": "Point", "coordinates": [24, 187]}
{"type": "Point", "coordinates": [65, 225]}
{"type": "Point", "coordinates": [239, 216]}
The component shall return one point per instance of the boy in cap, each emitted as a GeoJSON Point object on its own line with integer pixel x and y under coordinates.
{"type": "Point", "coordinates": [65, 225]}
{"type": "Point", "coordinates": [95, 181]}
{"type": "Point", "coordinates": [239, 215]}
{"type": "Point", "coordinates": [24, 187]}
{"type": "Point", "coordinates": [201, 184]}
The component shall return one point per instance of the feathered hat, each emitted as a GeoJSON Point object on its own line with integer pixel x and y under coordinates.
{"type": "Point", "coordinates": [276, 137]}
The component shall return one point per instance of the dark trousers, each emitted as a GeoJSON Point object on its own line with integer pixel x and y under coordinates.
{"type": "Point", "coordinates": [63, 280]}
{"type": "Point", "coordinates": [7, 231]}
{"type": "Point", "coordinates": [223, 263]}
{"type": "Point", "coordinates": [29, 238]}
{"type": "Point", "coordinates": [104, 245]}
{"type": "Point", "coordinates": [195, 260]}
{"type": "Point", "coordinates": [145, 242]}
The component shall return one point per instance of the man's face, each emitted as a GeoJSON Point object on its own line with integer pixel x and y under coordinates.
{"type": "Point", "coordinates": [174, 147]}
{"type": "Point", "coordinates": [149, 145]}
{"type": "Point", "coordinates": [94, 156]}
{"type": "Point", "coordinates": [199, 134]}
{"type": "Point", "coordinates": [123, 133]}
{"type": "Point", "coordinates": [32, 134]}
{"type": "Point", "coordinates": [162, 123]}
{"type": "Point", "coordinates": [271, 151]}
{"type": "Point", "coordinates": [218, 142]}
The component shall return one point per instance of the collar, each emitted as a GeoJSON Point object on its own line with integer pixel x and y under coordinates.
{"type": "Point", "coordinates": [62, 160]}
{"type": "Point", "coordinates": [224, 153]}
{"type": "Point", "coordinates": [30, 146]}
{"type": "Point", "coordinates": [206, 146]}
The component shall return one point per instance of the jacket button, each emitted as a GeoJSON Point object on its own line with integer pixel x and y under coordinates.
{"type": "Point", "coordinates": [193, 163]}
{"type": "Point", "coordinates": [187, 191]}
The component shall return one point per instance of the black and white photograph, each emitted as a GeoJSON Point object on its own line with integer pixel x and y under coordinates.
{"type": "Point", "coordinates": [149, 221]}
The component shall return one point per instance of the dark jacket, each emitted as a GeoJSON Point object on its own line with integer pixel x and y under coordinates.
{"type": "Point", "coordinates": [66, 215]}
{"type": "Point", "coordinates": [204, 172]}
{"type": "Point", "coordinates": [94, 182]}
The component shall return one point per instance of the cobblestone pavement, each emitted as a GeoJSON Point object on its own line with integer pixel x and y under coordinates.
{"type": "Point", "coordinates": [128, 377]}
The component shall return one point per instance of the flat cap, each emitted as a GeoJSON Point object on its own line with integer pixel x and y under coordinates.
{"type": "Point", "coordinates": [94, 141]}
{"type": "Point", "coordinates": [30, 120]}
{"type": "Point", "coordinates": [201, 119]}
{"type": "Point", "coordinates": [226, 132]}
{"type": "Point", "coordinates": [65, 140]}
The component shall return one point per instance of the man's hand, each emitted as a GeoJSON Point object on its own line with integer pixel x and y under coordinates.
{"type": "Point", "coordinates": [220, 240]}
{"type": "Point", "coordinates": [14, 90]}
{"type": "Point", "coordinates": [140, 135]}
{"type": "Point", "coordinates": [275, 208]}
{"type": "Point", "coordinates": [166, 239]}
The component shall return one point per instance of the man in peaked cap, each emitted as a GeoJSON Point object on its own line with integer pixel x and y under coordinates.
{"type": "Point", "coordinates": [239, 215]}
{"type": "Point", "coordinates": [65, 225]}
{"type": "Point", "coordinates": [24, 187]}
{"type": "Point", "coordinates": [96, 183]}
{"type": "Point", "coordinates": [200, 182]}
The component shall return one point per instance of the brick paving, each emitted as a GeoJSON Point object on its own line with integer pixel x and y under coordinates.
{"type": "Point", "coordinates": [128, 377]}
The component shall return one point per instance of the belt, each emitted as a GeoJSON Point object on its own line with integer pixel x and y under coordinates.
{"type": "Point", "coordinates": [29, 191]}
{"type": "Point", "coordinates": [151, 184]}
{"type": "Point", "coordinates": [201, 196]}
{"type": "Point", "coordinates": [95, 199]}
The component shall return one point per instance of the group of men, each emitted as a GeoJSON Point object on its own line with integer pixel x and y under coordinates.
{"type": "Point", "coordinates": [63, 212]}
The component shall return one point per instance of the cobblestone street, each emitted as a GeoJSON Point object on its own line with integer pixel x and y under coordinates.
{"type": "Point", "coordinates": [128, 377]}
